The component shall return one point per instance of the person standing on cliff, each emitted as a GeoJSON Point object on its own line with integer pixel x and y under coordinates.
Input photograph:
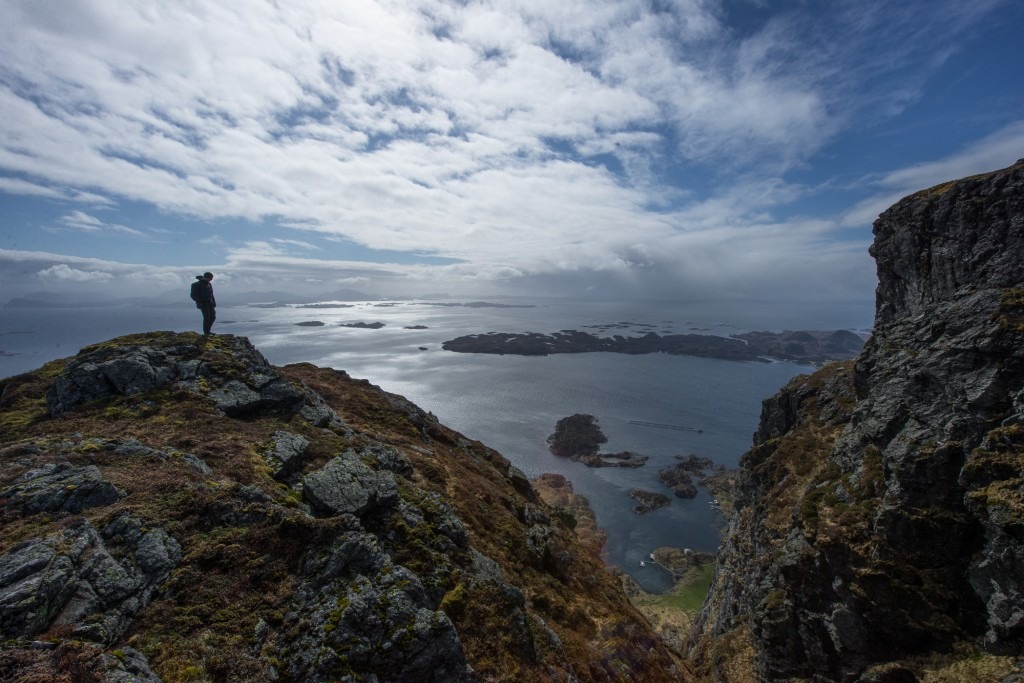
{"type": "Point", "coordinates": [202, 294]}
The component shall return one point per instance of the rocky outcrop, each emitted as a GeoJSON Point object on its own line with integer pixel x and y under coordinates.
{"type": "Point", "coordinates": [59, 487]}
{"type": "Point", "coordinates": [72, 578]}
{"type": "Point", "coordinates": [878, 514]}
{"type": "Point", "coordinates": [680, 477]}
{"type": "Point", "coordinates": [225, 368]}
{"type": "Point", "coordinates": [346, 485]}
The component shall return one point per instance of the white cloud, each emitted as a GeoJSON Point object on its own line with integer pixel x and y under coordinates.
{"type": "Point", "coordinates": [83, 222]}
{"type": "Point", "coordinates": [65, 273]}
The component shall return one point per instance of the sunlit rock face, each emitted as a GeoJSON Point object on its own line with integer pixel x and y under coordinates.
{"type": "Point", "coordinates": [880, 512]}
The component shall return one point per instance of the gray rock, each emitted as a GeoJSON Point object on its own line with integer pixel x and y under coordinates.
{"type": "Point", "coordinates": [284, 457]}
{"type": "Point", "coordinates": [234, 375]}
{"type": "Point", "coordinates": [130, 667]}
{"type": "Point", "coordinates": [236, 399]}
{"type": "Point", "coordinates": [60, 487]}
{"type": "Point", "coordinates": [346, 485]}
{"type": "Point", "coordinates": [358, 616]}
{"type": "Point", "coordinates": [73, 579]}
{"type": "Point", "coordinates": [389, 458]}
{"type": "Point", "coordinates": [35, 583]}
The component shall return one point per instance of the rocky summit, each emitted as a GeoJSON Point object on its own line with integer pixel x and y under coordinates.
{"type": "Point", "coordinates": [879, 533]}
{"type": "Point", "coordinates": [174, 508]}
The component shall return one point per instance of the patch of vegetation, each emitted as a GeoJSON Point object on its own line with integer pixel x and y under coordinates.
{"type": "Point", "coordinates": [1009, 315]}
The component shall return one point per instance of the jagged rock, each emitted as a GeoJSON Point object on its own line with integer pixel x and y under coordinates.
{"type": "Point", "coordinates": [60, 487]}
{"type": "Point", "coordinates": [363, 616]}
{"type": "Point", "coordinates": [284, 457]}
{"type": "Point", "coordinates": [346, 485]}
{"type": "Point", "coordinates": [390, 459]}
{"type": "Point", "coordinates": [108, 371]}
{"type": "Point", "coordinates": [519, 479]}
{"type": "Point", "coordinates": [128, 666]}
{"type": "Point", "coordinates": [236, 377]}
{"type": "Point", "coordinates": [73, 579]}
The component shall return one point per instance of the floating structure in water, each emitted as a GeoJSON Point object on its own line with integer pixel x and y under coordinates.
{"type": "Point", "coordinates": [661, 425]}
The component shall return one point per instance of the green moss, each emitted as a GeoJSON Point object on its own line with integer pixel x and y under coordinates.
{"type": "Point", "coordinates": [774, 600]}
{"type": "Point", "coordinates": [454, 602]}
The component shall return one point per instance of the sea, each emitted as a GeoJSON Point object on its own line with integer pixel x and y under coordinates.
{"type": "Point", "coordinates": [510, 402]}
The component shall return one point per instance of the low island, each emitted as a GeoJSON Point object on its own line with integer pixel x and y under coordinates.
{"type": "Point", "coordinates": [578, 438]}
{"type": "Point", "coordinates": [803, 346]}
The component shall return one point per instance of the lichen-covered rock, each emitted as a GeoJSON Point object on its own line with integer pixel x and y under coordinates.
{"type": "Point", "coordinates": [359, 615]}
{"type": "Point", "coordinates": [346, 485]}
{"type": "Point", "coordinates": [73, 579]}
{"type": "Point", "coordinates": [227, 369]}
{"type": "Point", "coordinates": [284, 457]}
{"type": "Point", "coordinates": [60, 487]}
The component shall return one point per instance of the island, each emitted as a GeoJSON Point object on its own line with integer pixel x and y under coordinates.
{"type": "Point", "coordinates": [363, 326]}
{"type": "Point", "coordinates": [802, 346]}
{"type": "Point", "coordinates": [648, 500]}
{"type": "Point", "coordinates": [578, 438]}
{"type": "Point", "coordinates": [680, 477]}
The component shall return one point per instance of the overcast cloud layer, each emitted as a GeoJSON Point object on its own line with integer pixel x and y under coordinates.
{"type": "Point", "coordinates": [679, 148]}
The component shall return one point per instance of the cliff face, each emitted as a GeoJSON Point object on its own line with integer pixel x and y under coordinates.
{"type": "Point", "coordinates": [174, 508]}
{"type": "Point", "coordinates": [881, 511]}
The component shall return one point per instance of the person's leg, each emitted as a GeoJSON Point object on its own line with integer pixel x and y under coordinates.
{"type": "Point", "coordinates": [209, 315]}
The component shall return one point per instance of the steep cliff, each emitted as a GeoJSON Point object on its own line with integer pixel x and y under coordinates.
{"type": "Point", "coordinates": [879, 532]}
{"type": "Point", "coordinates": [174, 508]}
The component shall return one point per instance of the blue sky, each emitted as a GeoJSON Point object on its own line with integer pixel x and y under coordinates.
{"type": "Point", "coordinates": [734, 149]}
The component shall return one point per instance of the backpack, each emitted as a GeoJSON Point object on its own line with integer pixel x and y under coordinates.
{"type": "Point", "coordinates": [196, 292]}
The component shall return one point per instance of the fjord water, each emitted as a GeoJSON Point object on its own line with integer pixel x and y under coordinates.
{"type": "Point", "coordinates": [512, 403]}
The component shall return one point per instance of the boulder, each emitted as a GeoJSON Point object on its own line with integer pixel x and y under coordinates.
{"type": "Point", "coordinates": [346, 485]}
{"type": "Point", "coordinates": [284, 457]}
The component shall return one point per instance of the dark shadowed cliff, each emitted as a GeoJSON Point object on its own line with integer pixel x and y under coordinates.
{"type": "Point", "coordinates": [879, 533]}
{"type": "Point", "coordinates": [174, 508]}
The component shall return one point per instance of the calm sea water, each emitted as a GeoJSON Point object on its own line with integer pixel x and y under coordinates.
{"type": "Point", "coordinates": [513, 402]}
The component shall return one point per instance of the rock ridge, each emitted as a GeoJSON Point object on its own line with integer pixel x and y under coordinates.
{"type": "Point", "coordinates": [878, 513]}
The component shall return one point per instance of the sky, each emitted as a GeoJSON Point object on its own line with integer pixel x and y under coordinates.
{"type": "Point", "coordinates": [649, 149]}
